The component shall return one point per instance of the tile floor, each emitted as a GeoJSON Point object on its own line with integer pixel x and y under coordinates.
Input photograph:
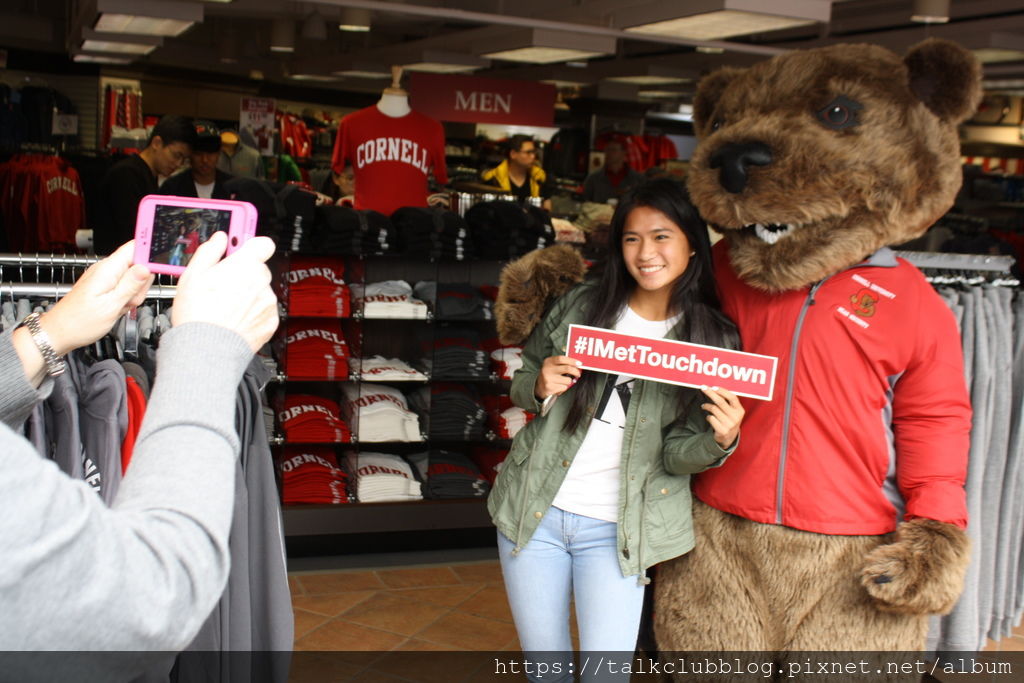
{"type": "Point", "coordinates": [457, 606]}
{"type": "Point", "coordinates": [450, 607]}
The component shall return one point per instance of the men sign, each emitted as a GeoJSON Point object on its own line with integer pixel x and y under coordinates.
{"type": "Point", "coordinates": [675, 362]}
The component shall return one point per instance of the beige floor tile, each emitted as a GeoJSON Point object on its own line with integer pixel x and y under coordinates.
{"type": "Point", "coordinates": [388, 612]}
{"type": "Point", "coordinates": [330, 605]}
{"type": "Point", "coordinates": [484, 572]}
{"type": "Point", "coordinates": [1011, 645]}
{"type": "Point", "coordinates": [491, 602]}
{"type": "Point", "coordinates": [306, 622]}
{"type": "Point", "coordinates": [448, 596]}
{"type": "Point", "coordinates": [416, 645]}
{"type": "Point", "coordinates": [418, 577]}
{"type": "Point", "coordinates": [295, 587]}
{"type": "Point", "coordinates": [468, 632]}
{"type": "Point", "coordinates": [343, 635]}
{"type": "Point", "coordinates": [339, 582]}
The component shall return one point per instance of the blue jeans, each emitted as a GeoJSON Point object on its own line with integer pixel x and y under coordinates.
{"type": "Point", "coordinates": [571, 556]}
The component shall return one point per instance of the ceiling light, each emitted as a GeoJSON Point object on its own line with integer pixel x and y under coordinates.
{"type": "Point", "coordinates": [718, 19]}
{"type": "Point", "coordinates": [353, 69]}
{"type": "Point", "coordinates": [318, 78]}
{"type": "Point", "coordinates": [558, 83]}
{"type": "Point", "coordinates": [282, 36]}
{"type": "Point", "coordinates": [314, 27]}
{"type": "Point", "coordinates": [543, 46]}
{"type": "Point", "coordinates": [662, 94]}
{"type": "Point", "coordinates": [119, 43]}
{"type": "Point", "coordinates": [708, 50]}
{"type": "Point", "coordinates": [100, 59]}
{"type": "Point", "coordinates": [648, 80]}
{"type": "Point", "coordinates": [439, 62]}
{"type": "Point", "coordinates": [148, 17]}
{"type": "Point", "coordinates": [994, 55]}
{"type": "Point", "coordinates": [577, 65]}
{"type": "Point", "coordinates": [930, 11]}
{"type": "Point", "coordinates": [354, 19]}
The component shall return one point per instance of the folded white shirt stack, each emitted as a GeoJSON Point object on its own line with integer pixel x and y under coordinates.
{"type": "Point", "coordinates": [512, 420]}
{"type": "Point", "coordinates": [381, 413]}
{"type": "Point", "coordinates": [388, 299]}
{"type": "Point", "coordinates": [381, 369]}
{"type": "Point", "coordinates": [380, 477]}
{"type": "Point", "coordinates": [506, 361]}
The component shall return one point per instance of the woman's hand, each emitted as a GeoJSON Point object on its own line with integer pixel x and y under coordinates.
{"type": "Point", "coordinates": [234, 292]}
{"type": "Point", "coordinates": [557, 374]}
{"type": "Point", "coordinates": [725, 413]}
{"type": "Point", "coordinates": [104, 292]}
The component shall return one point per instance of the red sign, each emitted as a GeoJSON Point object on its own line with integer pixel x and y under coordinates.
{"type": "Point", "coordinates": [482, 100]}
{"type": "Point", "coordinates": [674, 362]}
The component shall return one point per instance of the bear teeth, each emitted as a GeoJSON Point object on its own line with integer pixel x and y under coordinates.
{"type": "Point", "coordinates": [772, 233]}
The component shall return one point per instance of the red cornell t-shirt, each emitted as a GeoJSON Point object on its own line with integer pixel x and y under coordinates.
{"type": "Point", "coordinates": [391, 157]}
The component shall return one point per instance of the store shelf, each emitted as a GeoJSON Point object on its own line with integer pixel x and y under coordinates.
{"type": "Point", "coordinates": [317, 520]}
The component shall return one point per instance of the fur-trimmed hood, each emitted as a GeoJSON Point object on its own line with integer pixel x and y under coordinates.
{"type": "Point", "coordinates": [529, 284]}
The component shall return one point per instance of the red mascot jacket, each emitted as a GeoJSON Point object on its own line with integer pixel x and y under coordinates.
{"type": "Point", "coordinates": [870, 418]}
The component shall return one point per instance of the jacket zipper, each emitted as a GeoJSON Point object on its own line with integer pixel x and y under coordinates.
{"type": "Point", "coordinates": [784, 450]}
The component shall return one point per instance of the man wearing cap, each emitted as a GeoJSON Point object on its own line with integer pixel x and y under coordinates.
{"type": "Point", "coordinates": [202, 179]}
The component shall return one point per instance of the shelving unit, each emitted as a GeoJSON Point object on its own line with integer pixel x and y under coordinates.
{"type": "Point", "coordinates": [411, 340]}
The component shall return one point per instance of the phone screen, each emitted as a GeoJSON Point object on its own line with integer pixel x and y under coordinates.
{"type": "Point", "coordinates": [179, 230]}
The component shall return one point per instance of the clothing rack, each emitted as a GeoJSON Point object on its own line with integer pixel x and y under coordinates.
{"type": "Point", "coordinates": [47, 260]}
{"type": "Point", "coordinates": [944, 261]}
{"type": "Point", "coordinates": [56, 290]}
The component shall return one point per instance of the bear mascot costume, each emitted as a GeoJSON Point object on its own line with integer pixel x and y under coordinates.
{"type": "Point", "coordinates": [839, 521]}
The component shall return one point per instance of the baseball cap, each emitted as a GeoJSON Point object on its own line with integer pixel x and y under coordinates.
{"type": "Point", "coordinates": [207, 136]}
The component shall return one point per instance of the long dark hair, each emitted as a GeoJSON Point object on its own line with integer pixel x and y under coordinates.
{"type": "Point", "coordinates": [694, 293]}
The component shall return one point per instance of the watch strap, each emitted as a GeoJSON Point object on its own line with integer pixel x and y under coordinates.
{"type": "Point", "coordinates": [55, 365]}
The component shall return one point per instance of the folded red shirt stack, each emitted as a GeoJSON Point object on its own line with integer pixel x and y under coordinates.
{"type": "Point", "coordinates": [310, 474]}
{"type": "Point", "coordinates": [315, 349]}
{"type": "Point", "coordinates": [316, 288]}
{"type": "Point", "coordinates": [312, 419]}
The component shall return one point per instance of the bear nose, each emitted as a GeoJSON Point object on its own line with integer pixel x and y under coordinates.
{"type": "Point", "coordinates": [734, 159]}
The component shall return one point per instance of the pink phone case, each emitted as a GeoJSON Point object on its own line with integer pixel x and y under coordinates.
{"type": "Point", "coordinates": [168, 229]}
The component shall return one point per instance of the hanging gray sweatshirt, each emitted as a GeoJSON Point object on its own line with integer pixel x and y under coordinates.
{"type": "Point", "coordinates": [144, 573]}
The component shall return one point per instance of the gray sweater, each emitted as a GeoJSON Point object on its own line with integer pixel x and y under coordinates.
{"type": "Point", "coordinates": [144, 573]}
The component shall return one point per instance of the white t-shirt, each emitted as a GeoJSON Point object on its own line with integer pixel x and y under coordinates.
{"type": "Point", "coordinates": [591, 487]}
{"type": "Point", "coordinates": [204, 191]}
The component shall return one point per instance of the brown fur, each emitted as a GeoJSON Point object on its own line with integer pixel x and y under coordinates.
{"type": "Point", "coordinates": [849, 191]}
{"type": "Point", "coordinates": [750, 586]}
{"type": "Point", "coordinates": [925, 568]}
{"type": "Point", "coordinates": [529, 284]}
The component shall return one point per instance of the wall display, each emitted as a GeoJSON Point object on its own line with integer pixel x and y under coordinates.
{"type": "Point", "coordinates": [256, 123]}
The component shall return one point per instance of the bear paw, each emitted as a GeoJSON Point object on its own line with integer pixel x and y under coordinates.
{"type": "Point", "coordinates": [921, 572]}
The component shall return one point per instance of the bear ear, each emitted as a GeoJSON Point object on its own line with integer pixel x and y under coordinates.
{"type": "Point", "coordinates": [946, 77]}
{"type": "Point", "coordinates": [709, 90]}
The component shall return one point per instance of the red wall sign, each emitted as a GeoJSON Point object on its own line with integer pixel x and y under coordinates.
{"type": "Point", "coordinates": [482, 100]}
{"type": "Point", "coordinates": [675, 362]}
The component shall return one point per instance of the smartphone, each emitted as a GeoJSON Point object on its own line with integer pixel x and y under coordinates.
{"type": "Point", "coordinates": [169, 229]}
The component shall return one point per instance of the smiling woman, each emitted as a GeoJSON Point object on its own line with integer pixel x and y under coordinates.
{"type": "Point", "coordinates": [627, 502]}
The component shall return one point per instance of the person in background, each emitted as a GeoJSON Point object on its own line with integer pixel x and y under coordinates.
{"type": "Point", "coordinates": [614, 179]}
{"type": "Point", "coordinates": [238, 158]}
{"type": "Point", "coordinates": [144, 573]}
{"type": "Point", "coordinates": [202, 178]}
{"type": "Point", "coordinates": [341, 187]}
{"type": "Point", "coordinates": [520, 173]}
{"type": "Point", "coordinates": [131, 179]}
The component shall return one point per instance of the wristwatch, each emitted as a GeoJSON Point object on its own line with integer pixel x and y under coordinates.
{"type": "Point", "coordinates": [55, 364]}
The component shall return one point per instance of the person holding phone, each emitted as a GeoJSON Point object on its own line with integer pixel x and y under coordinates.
{"type": "Point", "coordinates": [596, 491]}
{"type": "Point", "coordinates": [144, 573]}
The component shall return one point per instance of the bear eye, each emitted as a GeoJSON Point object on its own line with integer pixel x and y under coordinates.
{"type": "Point", "coordinates": [840, 113]}
{"type": "Point", "coordinates": [716, 124]}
